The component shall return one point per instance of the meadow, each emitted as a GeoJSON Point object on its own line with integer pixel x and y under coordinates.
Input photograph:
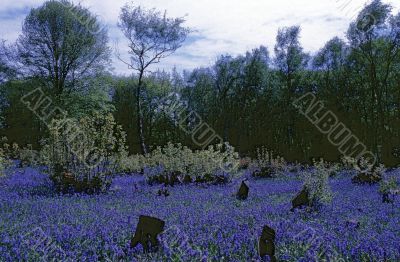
{"type": "Point", "coordinates": [203, 223]}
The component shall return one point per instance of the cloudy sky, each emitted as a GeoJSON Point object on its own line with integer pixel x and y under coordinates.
{"type": "Point", "coordinates": [222, 26]}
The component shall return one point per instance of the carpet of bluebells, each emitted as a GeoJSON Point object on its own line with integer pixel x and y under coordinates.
{"type": "Point", "coordinates": [203, 223]}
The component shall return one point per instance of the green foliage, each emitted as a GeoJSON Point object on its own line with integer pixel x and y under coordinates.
{"type": "Point", "coordinates": [131, 164]}
{"type": "Point", "coordinates": [388, 185]}
{"type": "Point", "coordinates": [202, 165]}
{"type": "Point", "coordinates": [29, 157]}
{"type": "Point", "coordinates": [246, 99]}
{"type": "Point", "coordinates": [63, 43]}
{"type": "Point", "coordinates": [84, 154]}
{"type": "Point", "coordinates": [90, 95]}
{"type": "Point", "coordinates": [316, 183]}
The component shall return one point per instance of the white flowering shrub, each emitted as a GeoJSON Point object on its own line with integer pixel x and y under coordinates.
{"type": "Point", "coordinates": [332, 168]}
{"type": "Point", "coordinates": [131, 164]}
{"type": "Point", "coordinates": [316, 183]}
{"type": "Point", "coordinates": [365, 171]}
{"type": "Point", "coordinates": [10, 152]}
{"type": "Point", "coordinates": [83, 155]}
{"type": "Point", "coordinates": [29, 157]}
{"type": "Point", "coordinates": [362, 165]}
{"type": "Point", "coordinates": [216, 164]}
{"type": "Point", "coordinates": [267, 164]}
{"type": "Point", "coordinates": [173, 158]}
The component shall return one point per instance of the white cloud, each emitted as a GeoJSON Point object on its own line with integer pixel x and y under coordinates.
{"type": "Point", "coordinates": [223, 26]}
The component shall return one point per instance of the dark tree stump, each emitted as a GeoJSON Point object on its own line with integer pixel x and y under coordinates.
{"type": "Point", "coordinates": [146, 232]}
{"type": "Point", "coordinates": [266, 243]}
{"type": "Point", "coordinates": [302, 199]}
{"type": "Point", "coordinates": [243, 192]}
{"type": "Point", "coordinates": [187, 179]}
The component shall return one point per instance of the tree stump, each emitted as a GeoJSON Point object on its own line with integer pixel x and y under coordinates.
{"type": "Point", "coordinates": [243, 192]}
{"type": "Point", "coordinates": [301, 199]}
{"type": "Point", "coordinates": [187, 179]}
{"type": "Point", "coordinates": [146, 233]}
{"type": "Point", "coordinates": [266, 243]}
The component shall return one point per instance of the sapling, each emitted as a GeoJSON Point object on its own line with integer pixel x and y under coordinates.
{"type": "Point", "coordinates": [316, 183]}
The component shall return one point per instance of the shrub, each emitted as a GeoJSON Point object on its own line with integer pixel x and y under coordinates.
{"type": "Point", "coordinates": [6, 156]}
{"type": "Point", "coordinates": [132, 164]}
{"type": "Point", "coordinates": [266, 165]}
{"type": "Point", "coordinates": [10, 152]}
{"type": "Point", "coordinates": [333, 169]}
{"type": "Point", "coordinates": [25, 155]}
{"type": "Point", "coordinates": [316, 184]}
{"type": "Point", "coordinates": [82, 155]}
{"type": "Point", "coordinates": [29, 157]}
{"type": "Point", "coordinates": [365, 172]}
{"type": "Point", "coordinates": [177, 163]}
{"type": "Point", "coordinates": [388, 188]}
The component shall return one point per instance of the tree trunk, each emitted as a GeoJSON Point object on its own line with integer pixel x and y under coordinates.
{"type": "Point", "coordinates": [140, 115]}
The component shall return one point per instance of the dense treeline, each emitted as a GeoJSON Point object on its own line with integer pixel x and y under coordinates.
{"type": "Point", "coordinates": [246, 99]}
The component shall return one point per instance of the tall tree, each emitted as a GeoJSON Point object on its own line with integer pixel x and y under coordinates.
{"type": "Point", "coordinates": [151, 36]}
{"type": "Point", "coordinates": [289, 56]}
{"type": "Point", "coordinates": [7, 70]}
{"type": "Point", "coordinates": [59, 45]}
{"type": "Point", "coordinates": [290, 60]}
{"type": "Point", "coordinates": [373, 55]}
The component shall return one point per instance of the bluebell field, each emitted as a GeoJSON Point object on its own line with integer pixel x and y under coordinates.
{"type": "Point", "coordinates": [203, 223]}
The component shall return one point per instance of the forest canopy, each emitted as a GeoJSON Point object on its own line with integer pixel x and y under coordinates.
{"type": "Point", "coordinates": [246, 99]}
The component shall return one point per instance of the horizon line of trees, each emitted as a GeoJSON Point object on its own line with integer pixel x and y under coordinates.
{"type": "Point", "coordinates": [246, 99]}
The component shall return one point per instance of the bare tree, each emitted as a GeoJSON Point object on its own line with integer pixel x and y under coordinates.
{"type": "Point", "coordinates": [152, 36]}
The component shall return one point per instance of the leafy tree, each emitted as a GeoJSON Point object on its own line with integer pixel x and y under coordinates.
{"type": "Point", "coordinates": [290, 60]}
{"type": "Point", "coordinates": [7, 69]}
{"type": "Point", "coordinates": [152, 36]}
{"type": "Point", "coordinates": [289, 55]}
{"type": "Point", "coordinates": [60, 48]}
{"type": "Point", "coordinates": [375, 48]}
